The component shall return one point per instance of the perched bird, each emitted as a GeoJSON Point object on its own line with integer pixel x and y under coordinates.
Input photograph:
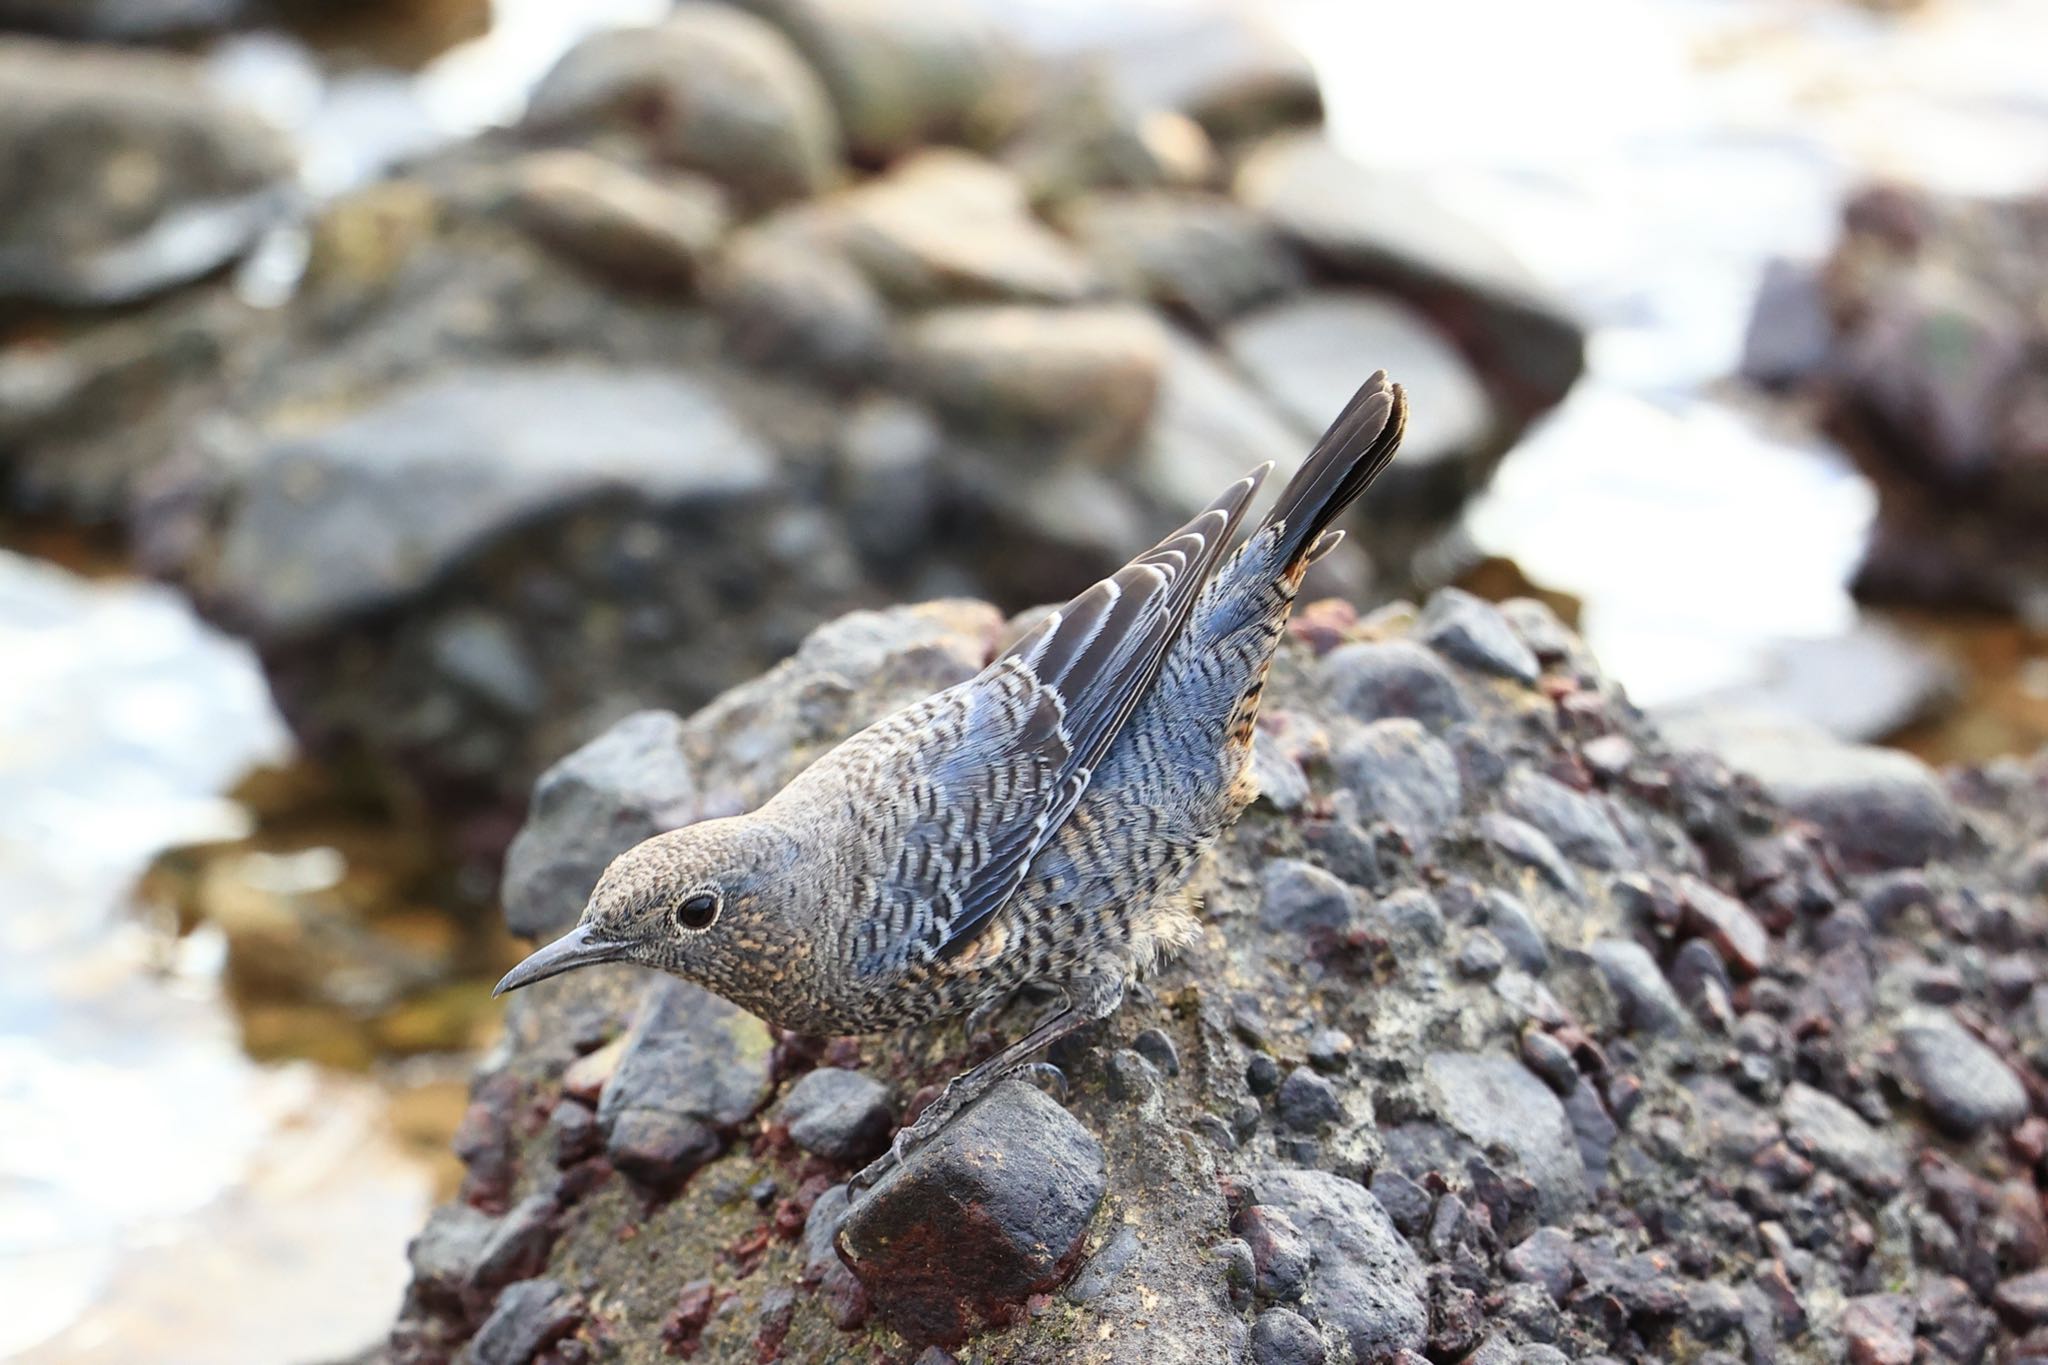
{"type": "Point", "coordinates": [1038, 823]}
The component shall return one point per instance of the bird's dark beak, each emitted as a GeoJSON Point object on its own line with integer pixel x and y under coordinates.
{"type": "Point", "coordinates": [573, 949]}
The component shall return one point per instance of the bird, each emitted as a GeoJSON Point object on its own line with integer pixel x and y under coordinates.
{"type": "Point", "coordinates": [1040, 824]}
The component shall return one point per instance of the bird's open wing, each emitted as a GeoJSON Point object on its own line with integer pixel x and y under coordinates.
{"type": "Point", "coordinates": [1039, 720]}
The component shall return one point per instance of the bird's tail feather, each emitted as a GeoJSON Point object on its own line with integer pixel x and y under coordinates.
{"type": "Point", "coordinates": [1358, 445]}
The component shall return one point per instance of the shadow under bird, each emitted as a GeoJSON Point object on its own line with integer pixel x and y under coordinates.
{"type": "Point", "coordinates": [1039, 823]}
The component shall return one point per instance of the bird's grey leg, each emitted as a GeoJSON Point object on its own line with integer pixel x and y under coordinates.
{"type": "Point", "coordinates": [1087, 999]}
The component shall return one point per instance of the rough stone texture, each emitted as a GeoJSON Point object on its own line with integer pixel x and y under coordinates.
{"type": "Point", "coordinates": [1964, 1084]}
{"type": "Point", "coordinates": [1922, 335]}
{"type": "Point", "coordinates": [125, 174]}
{"type": "Point", "coordinates": [1648, 1152]}
{"type": "Point", "coordinates": [837, 1114]}
{"type": "Point", "coordinates": [989, 1212]}
{"type": "Point", "coordinates": [693, 1068]}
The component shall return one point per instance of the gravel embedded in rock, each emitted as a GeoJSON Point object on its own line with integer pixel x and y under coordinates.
{"type": "Point", "coordinates": [1963, 1083]}
{"type": "Point", "coordinates": [694, 1067]}
{"type": "Point", "coordinates": [840, 1115]}
{"type": "Point", "coordinates": [1523, 843]}
{"type": "Point", "coordinates": [1571, 820]}
{"type": "Point", "coordinates": [1495, 1102]}
{"type": "Point", "coordinates": [1368, 1283]}
{"type": "Point", "coordinates": [1376, 681]}
{"type": "Point", "coordinates": [1401, 774]}
{"type": "Point", "coordinates": [1474, 633]}
{"type": "Point", "coordinates": [1646, 999]}
{"type": "Point", "coordinates": [529, 1316]}
{"type": "Point", "coordinates": [1306, 1101]}
{"type": "Point", "coordinates": [1282, 1336]}
{"type": "Point", "coordinates": [1301, 898]}
{"type": "Point", "coordinates": [1842, 1139]}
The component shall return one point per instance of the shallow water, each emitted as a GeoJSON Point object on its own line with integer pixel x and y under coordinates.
{"type": "Point", "coordinates": [214, 1209]}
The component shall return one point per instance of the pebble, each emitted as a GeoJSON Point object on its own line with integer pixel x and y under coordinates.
{"type": "Point", "coordinates": [1878, 1329]}
{"type": "Point", "coordinates": [1647, 1003]}
{"type": "Point", "coordinates": [1521, 842]}
{"type": "Point", "coordinates": [840, 1115]}
{"type": "Point", "coordinates": [1550, 1060]}
{"type": "Point", "coordinates": [1727, 924]}
{"type": "Point", "coordinates": [1373, 681]}
{"type": "Point", "coordinates": [1307, 1101]}
{"type": "Point", "coordinates": [2024, 1298]}
{"type": "Point", "coordinates": [1472, 631]}
{"type": "Point", "coordinates": [1481, 957]}
{"type": "Point", "coordinates": [1495, 1102]}
{"type": "Point", "coordinates": [1329, 1050]}
{"type": "Point", "coordinates": [1301, 898]}
{"type": "Point", "coordinates": [693, 1068]}
{"type": "Point", "coordinates": [1404, 1201]}
{"type": "Point", "coordinates": [1130, 1078]}
{"type": "Point", "coordinates": [1963, 1084]}
{"type": "Point", "coordinates": [1401, 775]}
{"type": "Point", "coordinates": [1840, 1139]}
{"type": "Point", "coordinates": [1510, 922]}
{"type": "Point", "coordinates": [1412, 915]}
{"type": "Point", "coordinates": [1262, 1073]}
{"type": "Point", "coordinates": [1282, 1336]}
{"type": "Point", "coordinates": [1571, 820]}
{"type": "Point", "coordinates": [528, 1317]}
{"type": "Point", "coordinates": [1155, 1047]}
{"type": "Point", "coordinates": [1104, 1266]}
{"type": "Point", "coordinates": [1369, 1284]}
{"type": "Point", "coordinates": [1544, 1258]}
{"type": "Point", "coordinates": [1280, 1254]}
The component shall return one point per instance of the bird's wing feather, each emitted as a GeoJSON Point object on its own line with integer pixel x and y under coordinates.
{"type": "Point", "coordinates": [1047, 709]}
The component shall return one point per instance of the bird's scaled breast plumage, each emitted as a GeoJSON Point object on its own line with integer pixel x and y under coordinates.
{"type": "Point", "coordinates": [1039, 822]}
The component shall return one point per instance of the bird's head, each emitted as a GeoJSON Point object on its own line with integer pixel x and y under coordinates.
{"type": "Point", "coordinates": [707, 902]}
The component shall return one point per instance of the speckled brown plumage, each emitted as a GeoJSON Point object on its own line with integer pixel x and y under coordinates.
{"type": "Point", "coordinates": [1037, 823]}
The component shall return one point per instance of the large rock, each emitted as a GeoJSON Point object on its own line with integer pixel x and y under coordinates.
{"type": "Point", "coordinates": [712, 89]}
{"type": "Point", "coordinates": [1200, 256]}
{"type": "Point", "coordinates": [369, 509]}
{"type": "Point", "coordinates": [989, 1212]}
{"type": "Point", "coordinates": [125, 175]}
{"type": "Point", "coordinates": [903, 73]}
{"type": "Point", "coordinates": [1333, 1020]}
{"type": "Point", "coordinates": [1922, 335]}
{"type": "Point", "coordinates": [1391, 229]}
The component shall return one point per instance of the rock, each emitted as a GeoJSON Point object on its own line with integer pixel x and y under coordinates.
{"type": "Point", "coordinates": [1301, 899]}
{"type": "Point", "coordinates": [1647, 1002]}
{"type": "Point", "coordinates": [694, 1067]}
{"type": "Point", "coordinates": [126, 175]}
{"type": "Point", "coordinates": [1306, 353]}
{"type": "Point", "coordinates": [795, 303]}
{"type": "Point", "coordinates": [368, 509]}
{"type": "Point", "coordinates": [1789, 333]}
{"type": "Point", "coordinates": [1737, 935]}
{"type": "Point", "coordinates": [990, 1211]}
{"type": "Point", "coordinates": [628, 784]}
{"type": "Point", "coordinates": [530, 1316]}
{"type": "Point", "coordinates": [1307, 1102]}
{"type": "Point", "coordinates": [1388, 228]}
{"type": "Point", "coordinates": [840, 1115]}
{"type": "Point", "coordinates": [641, 231]}
{"type": "Point", "coordinates": [1104, 1266]}
{"type": "Point", "coordinates": [1082, 381]}
{"type": "Point", "coordinates": [1399, 773]}
{"type": "Point", "coordinates": [1473, 632]}
{"type": "Point", "coordinates": [1208, 427]}
{"type": "Point", "coordinates": [1523, 843]}
{"type": "Point", "coordinates": [1882, 808]}
{"type": "Point", "coordinates": [945, 226]}
{"type": "Point", "coordinates": [1879, 1329]}
{"type": "Point", "coordinates": [1281, 1256]}
{"type": "Point", "coordinates": [1571, 820]}
{"type": "Point", "coordinates": [1374, 681]}
{"type": "Point", "coordinates": [1368, 1283]}
{"type": "Point", "coordinates": [1200, 256]}
{"type": "Point", "coordinates": [2024, 1298]}
{"type": "Point", "coordinates": [449, 1249]}
{"type": "Point", "coordinates": [1962, 1083]}
{"type": "Point", "coordinates": [1509, 920]}
{"type": "Point", "coordinates": [1496, 1103]}
{"type": "Point", "coordinates": [1229, 66]}
{"type": "Point", "coordinates": [1840, 1139]}
{"type": "Point", "coordinates": [711, 89]}
{"type": "Point", "coordinates": [1281, 1336]}
{"type": "Point", "coordinates": [122, 21]}
{"type": "Point", "coordinates": [1544, 1258]}
{"type": "Point", "coordinates": [903, 73]}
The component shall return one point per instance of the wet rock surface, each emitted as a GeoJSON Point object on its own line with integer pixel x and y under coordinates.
{"type": "Point", "coordinates": [1922, 334]}
{"type": "Point", "coordinates": [1752, 1099]}
{"type": "Point", "coordinates": [758, 314]}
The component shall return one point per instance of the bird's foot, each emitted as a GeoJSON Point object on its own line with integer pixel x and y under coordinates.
{"type": "Point", "coordinates": [1047, 1078]}
{"type": "Point", "coordinates": [910, 1137]}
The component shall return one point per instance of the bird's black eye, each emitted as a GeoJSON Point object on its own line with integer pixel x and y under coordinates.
{"type": "Point", "coordinates": [697, 912]}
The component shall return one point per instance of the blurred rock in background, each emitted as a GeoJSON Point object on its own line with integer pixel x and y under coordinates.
{"type": "Point", "coordinates": [760, 313]}
{"type": "Point", "coordinates": [1925, 336]}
